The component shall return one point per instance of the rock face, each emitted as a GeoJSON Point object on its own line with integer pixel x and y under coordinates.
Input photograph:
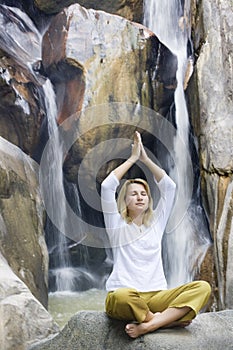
{"type": "Point", "coordinates": [23, 319]}
{"type": "Point", "coordinates": [21, 110]}
{"type": "Point", "coordinates": [21, 220]}
{"type": "Point", "coordinates": [95, 58]}
{"type": "Point", "coordinates": [213, 40]}
{"type": "Point", "coordinates": [94, 330]}
{"type": "Point", "coordinates": [104, 58]}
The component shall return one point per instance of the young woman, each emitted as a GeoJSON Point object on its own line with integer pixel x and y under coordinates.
{"type": "Point", "coordinates": [137, 288]}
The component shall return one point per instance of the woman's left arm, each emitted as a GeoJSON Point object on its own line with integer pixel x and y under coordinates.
{"type": "Point", "coordinates": [154, 168]}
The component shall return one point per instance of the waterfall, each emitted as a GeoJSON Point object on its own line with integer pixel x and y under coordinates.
{"type": "Point", "coordinates": [70, 269]}
{"type": "Point", "coordinates": [184, 247]}
{"type": "Point", "coordinates": [54, 179]}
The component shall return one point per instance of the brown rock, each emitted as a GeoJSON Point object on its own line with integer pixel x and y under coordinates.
{"type": "Point", "coordinates": [21, 110]}
{"type": "Point", "coordinates": [95, 58]}
{"type": "Point", "coordinates": [21, 220]}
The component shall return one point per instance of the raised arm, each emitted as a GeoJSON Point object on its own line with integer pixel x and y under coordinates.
{"type": "Point", "coordinates": [154, 168]}
{"type": "Point", "coordinates": [135, 154]}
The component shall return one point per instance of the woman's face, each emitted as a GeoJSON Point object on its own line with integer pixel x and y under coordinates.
{"type": "Point", "coordinates": [137, 200]}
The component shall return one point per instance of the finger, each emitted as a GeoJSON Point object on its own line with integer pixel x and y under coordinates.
{"type": "Point", "coordinates": [138, 136]}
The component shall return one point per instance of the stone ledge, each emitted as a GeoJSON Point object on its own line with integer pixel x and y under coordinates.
{"type": "Point", "coordinates": [91, 330]}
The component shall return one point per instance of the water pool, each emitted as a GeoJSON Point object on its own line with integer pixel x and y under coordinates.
{"type": "Point", "coordinates": [63, 305]}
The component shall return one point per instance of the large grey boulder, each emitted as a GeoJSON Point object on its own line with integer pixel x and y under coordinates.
{"type": "Point", "coordinates": [94, 330]}
{"type": "Point", "coordinates": [23, 319]}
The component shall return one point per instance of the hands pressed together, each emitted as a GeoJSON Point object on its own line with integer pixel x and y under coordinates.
{"type": "Point", "coordinates": [138, 151]}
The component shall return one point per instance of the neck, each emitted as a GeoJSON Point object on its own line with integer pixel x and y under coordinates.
{"type": "Point", "coordinates": [138, 220]}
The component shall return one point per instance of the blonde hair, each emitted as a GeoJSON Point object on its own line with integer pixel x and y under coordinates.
{"type": "Point", "coordinates": [121, 203]}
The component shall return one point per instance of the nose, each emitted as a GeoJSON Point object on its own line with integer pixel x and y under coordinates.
{"type": "Point", "coordinates": [139, 197]}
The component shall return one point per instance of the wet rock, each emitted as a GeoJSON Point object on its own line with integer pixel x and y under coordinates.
{"type": "Point", "coordinates": [21, 107]}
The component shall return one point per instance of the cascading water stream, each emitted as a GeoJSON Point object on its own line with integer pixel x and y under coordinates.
{"type": "Point", "coordinates": [63, 274]}
{"type": "Point", "coordinates": [183, 251]}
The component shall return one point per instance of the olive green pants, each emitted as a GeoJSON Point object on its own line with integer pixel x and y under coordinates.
{"type": "Point", "coordinates": [129, 304]}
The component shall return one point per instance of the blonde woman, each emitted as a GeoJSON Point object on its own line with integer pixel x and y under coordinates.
{"type": "Point", "coordinates": [137, 287]}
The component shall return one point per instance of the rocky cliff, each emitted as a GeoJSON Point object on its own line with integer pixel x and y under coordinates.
{"type": "Point", "coordinates": [211, 106]}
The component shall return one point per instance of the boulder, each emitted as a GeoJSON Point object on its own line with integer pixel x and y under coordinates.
{"type": "Point", "coordinates": [211, 107]}
{"type": "Point", "coordinates": [94, 58]}
{"type": "Point", "coordinates": [94, 330]}
{"type": "Point", "coordinates": [22, 240]}
{"type": "Point", "coordinates": [23, 319]}
{"type": "Point", "coordinates": [214, 67]}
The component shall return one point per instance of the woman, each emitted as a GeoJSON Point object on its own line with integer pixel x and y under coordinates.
{"type": "Point", "coordinates": [137, 288]}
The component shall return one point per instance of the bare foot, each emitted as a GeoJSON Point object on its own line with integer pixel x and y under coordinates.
{"type": "Point", "coordinates": [134, 330]}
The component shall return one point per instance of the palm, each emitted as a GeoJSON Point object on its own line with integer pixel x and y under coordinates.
{"type": "Point", "coordinates": [138, 149]}
{"type": "Point", "coordinates": [143, 155]}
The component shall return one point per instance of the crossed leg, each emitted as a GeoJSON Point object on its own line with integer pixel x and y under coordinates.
{"type": "Point", "coordinates": [154, 310]}
{"type": "Point", "coordinates": [164, 319]}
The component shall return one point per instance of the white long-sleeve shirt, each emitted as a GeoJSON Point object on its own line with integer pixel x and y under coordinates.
{"type": "Point", "coordinates": [137, 260]}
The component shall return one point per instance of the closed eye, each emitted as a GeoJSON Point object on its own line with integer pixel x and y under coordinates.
{"type": "Point", "coordinates": [136, 193]}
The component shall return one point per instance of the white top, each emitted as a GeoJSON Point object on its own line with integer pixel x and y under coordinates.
{"type": "Point", "coordinates": [137, 261]}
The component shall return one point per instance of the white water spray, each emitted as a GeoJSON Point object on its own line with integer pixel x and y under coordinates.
{"type": "Point", "coordinates": [170, 22]}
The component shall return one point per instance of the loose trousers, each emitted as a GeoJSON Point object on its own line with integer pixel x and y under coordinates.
{"type": "Point", "coordinates": [132, 305]}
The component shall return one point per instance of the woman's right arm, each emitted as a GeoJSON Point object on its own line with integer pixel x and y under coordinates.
{"type": "Point", "coordinates": [108, 201]}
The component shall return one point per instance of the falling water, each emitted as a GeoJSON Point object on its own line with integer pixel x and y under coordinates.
{"type": "Point", "coordinates": [184, 250]}
{"type": "Point", "coordinates": [63, 275]}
